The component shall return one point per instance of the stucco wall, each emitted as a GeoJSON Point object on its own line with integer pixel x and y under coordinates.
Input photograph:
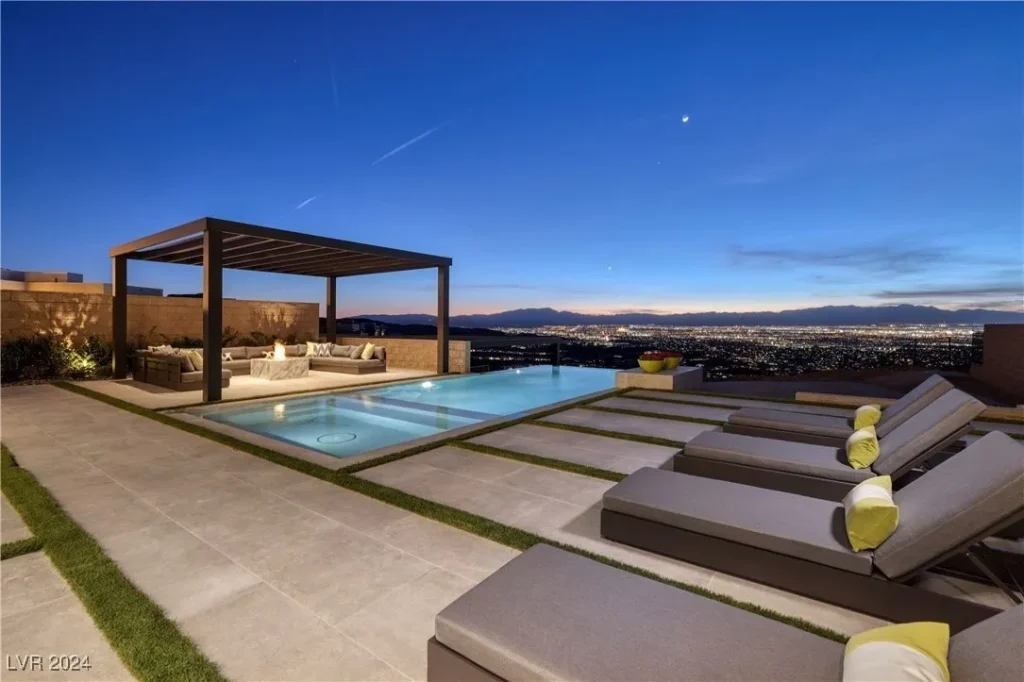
{"type": "Point", "coordinates": [150, 318]}
{"type": "Point", "coordinates": [1002, 363]}
{"type": "Point", "coordinates": [417, 353]}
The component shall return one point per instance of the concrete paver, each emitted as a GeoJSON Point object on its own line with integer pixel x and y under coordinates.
{"type": "Point", "coordinates": [601, 452]}
{"type": "Point", "coordinates": [12, 527]}
{"type": "Point", "coordinates": [46, 632]}
{"type": "Point", "coordinates": [627, 423]}
{"type": "Point", "coordinates": [258, 564]}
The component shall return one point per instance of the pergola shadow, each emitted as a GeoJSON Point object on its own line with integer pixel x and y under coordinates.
{"type": "Point", "coordinates": [216, 244]}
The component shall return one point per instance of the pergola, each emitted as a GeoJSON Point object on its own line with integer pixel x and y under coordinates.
{"type": "Point", "coordinates": [216, 244]}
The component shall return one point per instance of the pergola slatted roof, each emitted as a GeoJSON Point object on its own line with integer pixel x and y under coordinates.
{"type": "Point", "coordinates": [266, 249]}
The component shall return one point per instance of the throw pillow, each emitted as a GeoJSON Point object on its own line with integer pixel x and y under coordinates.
{"type": "Point", "coordinates": [911, 652]}
{"type": "Point", "coordinates": [367, 351]}
{"type": "Point", "coordinates": [871, 515]}
{"type": "Point", "coordinates": [862, 448]}
{"type": "Point", "coordinates": [268, 354]}
{"type": "Point", "coordinates": [322, 350]}
{"type": "Point", "coordinates": [161, 349]}
{"type": "Point", "coordinates": [341, 351]}
{"type": "Point", "coordinates": [867, 415]}
{"type": "Point", "coordinates": [197, 359]}
{"type": "Point", "coordinates": [186, 363]}
{"type": "Point", "coordinates": [310, 349]}
{"type": "Point", "coordinates": [378, 352]}
{"type": "Point", "coordinates": [226, 357]}
{"type": "Point", "coordinates": [357, 352]}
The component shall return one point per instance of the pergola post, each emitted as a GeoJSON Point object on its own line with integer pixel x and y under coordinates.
{"type": "Point", "coordinates": [213, 312]}
{"type": "Point", "coordinates": [332, 309]}
{"type": "Point", "coordinates": [119, 287]}
{"type": "Point", "coordinates": [442, 319]}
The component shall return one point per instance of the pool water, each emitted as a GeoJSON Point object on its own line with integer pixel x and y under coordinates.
{"type": "Point", "coordinates": [347, 424]}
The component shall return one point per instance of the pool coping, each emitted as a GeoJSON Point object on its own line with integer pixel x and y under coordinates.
{"type": "Point", "coordinates": [195, 416]}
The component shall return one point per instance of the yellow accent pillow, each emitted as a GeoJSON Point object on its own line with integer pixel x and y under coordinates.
{"type": "Point", "coordinates": [867, 415]}
{"type": "Point", "coordinates": [871, 515]}
{"type": "Point", "coordinates": [367, 352]}
{"type": "Point", "coordinates": [310, 349]}
{"type": "Point", "coordinates": [862, 448]}
{"type": "Point", "coordinates": [911, 652]}
{"type": "Point", "coordinates": [197, 359]}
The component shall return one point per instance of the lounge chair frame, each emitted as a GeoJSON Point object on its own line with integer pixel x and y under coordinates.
{"type": "Point", "coordinates": [446, 664]}
{"type": "Point", "coordinates": [895, 600]}
{"type": "Point", "coordinates": [791, 482]}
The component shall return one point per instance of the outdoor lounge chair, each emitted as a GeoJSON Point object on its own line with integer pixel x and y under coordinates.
{"type": "Point", "coordinates": [820, 470]}
{"type": "Point", "coordinates": [552, 615]}
{"type": "Point", "coordinates": [826, 429]}
{"type": "Point", "coordinates": [799, 543]}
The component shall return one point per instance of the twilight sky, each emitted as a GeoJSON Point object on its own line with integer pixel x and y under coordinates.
{"type": "Point", "coordinates": [860, 153]}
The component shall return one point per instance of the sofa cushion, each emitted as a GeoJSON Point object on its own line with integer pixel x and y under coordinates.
{"type": "Point", "coordinates": [817, 424]}
{"type": "Point", "coordinates": [295, 350]}
{"type": "Point", "coordinates": [379, 353]}
{"type": "Point", "coordinates": [237, 352]}
{"type": "Point", "coordinates": [341, 351]}
{"type": "Point", "coordinates": [990, 650]}
{"type": "Point", "coordinates": [948, 413]}
{"type": "Point", "coordinates": [955, 502]}
{"type": "Point", "coordinates": [524, 623]}
{"type": "Point", "coordinates": [344, 362]}
{"type": "Point", "coordinates": [257, 351]}
{"type": "Point", "coordinates": [820, 461]}
{"type": "Point", "coordinates": [800, 527]}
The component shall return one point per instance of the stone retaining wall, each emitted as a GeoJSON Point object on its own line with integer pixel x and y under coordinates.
{"type": "Point", "coordinates": [151, 319]}
{"type": "Point", "coordinates": [408, 353]}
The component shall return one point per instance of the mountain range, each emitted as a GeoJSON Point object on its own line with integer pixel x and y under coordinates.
{"type": "Point", "coordinates": [827, 315]}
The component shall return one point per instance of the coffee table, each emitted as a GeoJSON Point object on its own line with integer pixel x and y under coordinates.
{"type": "Point", "coordinates": [275, 370]}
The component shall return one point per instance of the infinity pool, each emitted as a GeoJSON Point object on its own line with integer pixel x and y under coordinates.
{"type": "Point", "coordinates": [347, 424]}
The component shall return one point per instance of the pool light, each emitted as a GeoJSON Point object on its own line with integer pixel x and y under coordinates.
{"type": "Point", "coordinates": [427, 384]}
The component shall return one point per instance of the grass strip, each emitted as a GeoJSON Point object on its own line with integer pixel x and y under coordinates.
{"type": "Point", "coordinates": [538, 460]}
{"type": "Point", "coordinates": [147, 642]}
{"type": "Point", "coordinates": [451, 516]}
{"type": "Point", "coordinates": [655, 415]}
{"type": "Point", "coordinates": [9, 550]}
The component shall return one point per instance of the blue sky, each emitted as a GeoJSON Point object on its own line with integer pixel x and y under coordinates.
{"type": "Point", "coordinates": [835, 153]}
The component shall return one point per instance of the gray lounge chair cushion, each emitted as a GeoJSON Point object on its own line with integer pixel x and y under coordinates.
{"type": "Point", "coordinates": [552, 615]}
{"type": "Point", "coordinates": [913, 402]}
{"type": "Point", "coordinates": [960, 499]}
{"type": "Point", "coordinates": [946, 415]}
{"type": "Point", "coordinates": [801, 422]}
{"type": "Point", "coordinates": [801, 527]}
{"type": "Point", "coordinates": [820, 461]}
{"type": "Point", "coordinates": [989, 651]}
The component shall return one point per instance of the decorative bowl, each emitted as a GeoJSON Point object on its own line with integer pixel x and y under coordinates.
{"type": "Point", "coordinates": [672, 361]}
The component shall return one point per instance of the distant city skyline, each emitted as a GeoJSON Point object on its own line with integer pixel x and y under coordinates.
{"type": "Point", "coordinates": [831, 154]}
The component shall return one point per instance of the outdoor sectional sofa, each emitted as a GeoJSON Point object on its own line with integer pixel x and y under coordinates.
{"type": "Point", "coordinates": [552, 615]}
{"type": "Point", "coordinates": [799, 543]}
{"type": "Point", "coordinates": [169, 370]}
{"type": "Point", "coordinates": [822, 470]}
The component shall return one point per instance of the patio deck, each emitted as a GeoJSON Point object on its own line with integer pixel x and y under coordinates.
{"type": "Point", "coordinates": [244, 387]}
{"type": "Point", "coordinates": [330, 584]}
